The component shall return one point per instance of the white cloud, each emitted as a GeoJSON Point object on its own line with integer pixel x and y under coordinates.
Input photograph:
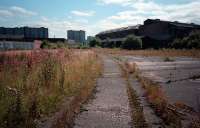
{"type": "Point", "coordinates": [59, 27]}
{"type": "Point", "coordinates": [21, 11]}
{"type": "Point", "coordinates": [16, 11]}
{"type": "Point", "coordinates": [5, 13]}
{"type": "Point", "coordinates": [118, 2]}
{"type": "Point", "coordinates": [142, 10]}
{"type": "Point", "coordinates": [85, 21]}
{"type": "Point", "coordinates": [136, 14]}
{"type": "Point", "coordinates": [149, 6]}
{"type": "Point", "coordinates": [83, 13]}
{"type": "Point", "coordinates": [113, 1]}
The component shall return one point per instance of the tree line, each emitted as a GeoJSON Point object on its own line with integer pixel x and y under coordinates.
{"type": "Point", "coordinates": [132, 42]}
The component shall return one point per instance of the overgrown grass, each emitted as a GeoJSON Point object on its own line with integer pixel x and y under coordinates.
{"type": "Point", "coordinates": [136, 108]}
{"type": "Point", "coordinates": [53, 45]}
{"type": "Point", "coordinates": [156, 97]}
{"type": "Point", "coordinates": [152, 52]}
{"type": "Point", "coordinates": [33, 83]}
{"type": "Point", "coordinates": [159, 103]}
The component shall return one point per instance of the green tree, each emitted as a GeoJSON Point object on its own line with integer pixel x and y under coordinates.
{"type": "Point", "coordinates": [132, 42]}
{"type": "Point", "coordinates": [109, 44]}
{"type": "Point", "coordinates": [191, 41]}
{"type": "Point", "coordinates": [177, 44]}
{"type": "Point", "coordinates": [95, 42]}
{"type": "Point", "coordinates": [44, 44]}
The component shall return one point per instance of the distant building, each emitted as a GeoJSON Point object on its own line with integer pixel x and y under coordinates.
{"type": "Point", "coordinates": [72, 42]}
{"type": "Point", "coordinates": [117, 35]}
{"type": "Point", "coordinates": [23, 33]}
{"type": "Point", "coordinates": [77, 36]}
{"type": "Point", "coordinates": [19, 45]}
{"type": "Point", "coordinates": [161, 33]}
{"type": "Point", "coordinates": [154, 33]}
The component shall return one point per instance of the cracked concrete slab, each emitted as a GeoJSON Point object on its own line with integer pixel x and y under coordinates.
{"type": "Point", "coordinates": [176, 77]}
{"type": "Point", "coordinates": [110, 108]}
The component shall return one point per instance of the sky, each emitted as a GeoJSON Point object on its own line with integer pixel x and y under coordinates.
{"type": "Point", "coordinates": [93, 16]}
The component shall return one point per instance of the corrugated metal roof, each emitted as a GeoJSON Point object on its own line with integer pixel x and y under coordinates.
{"type": "Point", "coordinates": [184, 25]}
{"type": "Point", "coordinates": [120, 29]}
{"type": "Point", "coordinates": [176, 23]}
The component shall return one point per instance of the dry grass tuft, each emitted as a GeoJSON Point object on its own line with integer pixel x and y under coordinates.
{"type": "Point", "coordinates": [156, 97]}
{"type": "Point", "coordinates": [151, 52]}
{"type": "Point", "coordinates": [136, 108]}
{"type": "Point", "coordinates": [158, 100]}
{"type": "Point", "coordinates": [33, 84]}
{"type": "Point", "coordinates": [130, 66]}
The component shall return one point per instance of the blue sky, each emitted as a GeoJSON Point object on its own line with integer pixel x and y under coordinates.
{"type": "Point", "coordinates": [93, 15]}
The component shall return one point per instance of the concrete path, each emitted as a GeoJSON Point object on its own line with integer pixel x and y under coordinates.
{"type": "Point", "coordinates": [110, 108]}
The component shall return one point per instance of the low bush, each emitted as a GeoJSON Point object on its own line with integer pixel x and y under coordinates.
{"type": "Point", "coordinates": [94, 42]}
{"type": "Point", "coordinates": [132, 42]}
{"type": "Point", "coordinates": [83, 46]}
{"type": "Point", "coordinates": [108, 44]}
{"type": "Point", "coordinates": [190, 42]}
{"type": "Point", "coordinates": [48, 45]}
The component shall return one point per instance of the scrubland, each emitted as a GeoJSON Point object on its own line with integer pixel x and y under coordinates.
{"type": "Point", "coordinates": [33, 84]}
{"type": "Point", "coordinates": [152, 52]}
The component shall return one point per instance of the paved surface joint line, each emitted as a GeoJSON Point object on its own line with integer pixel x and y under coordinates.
{"type": "Point", "coordinates": [110, 108]}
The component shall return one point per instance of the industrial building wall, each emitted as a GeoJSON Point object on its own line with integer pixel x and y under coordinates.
{"type": "Point", "coordinates": [11, 32]}
{"type": "Point", "coordinates": [24, 32]}
{"type": "Point", "coordinates": [14, 45]}
{"type": "Point", "coordinates": [82, 36]}
{"type": "Point", "coordinates": [157, 30]}
{"type": "Point", "coordinates": [35, 32]}
{"type": "Point", "coordinates": [77, 36]}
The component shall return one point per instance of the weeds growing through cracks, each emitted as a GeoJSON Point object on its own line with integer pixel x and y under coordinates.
{"type": "Point", "coordinates": [152, 52]}
{"type": "Point", "coordinates": [159, 103]}
{"type": "Point", "coordinates": [155, 97]}
{"type": "Point", "coordinates": [137, 114]}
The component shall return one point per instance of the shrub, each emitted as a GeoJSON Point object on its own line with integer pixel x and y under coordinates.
{"type": "Point", "coordinates": [95, 42]}
{"type": "Point", "coordinates": [109, 44]}
{"type": "Point", "coordinates": [192, 41]}
{"type": "Point", "coordinates": [48, 45]}
{"type": "Point", "coordinates": [44, 44]}
{"type": "Point", "coordinates": [177, 44]}
{"type": "Point", "coordinates": [132, 42]}
{"type": "Point", "coordinates": [61, 45]}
